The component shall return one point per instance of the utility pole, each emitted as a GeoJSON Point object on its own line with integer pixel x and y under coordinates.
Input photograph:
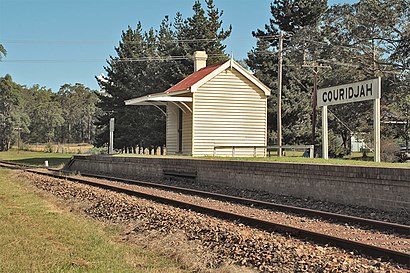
{"type": "Point", "coordinates": [314, 105]}
{"type": "Point", "coordinates": [315, 69]}
{"type": "Point", "coordinates": [376, 112]}
{"type": "Point", "coordinates": [280, 38]}
{"type": "Point", "coordinates": [374, 57]}
{"type": "Point", "coordinates": [18, 140]}
{"type": "Point", "coordinates": [279, 119]}
{"type": "Point", "coordinates": [18, 137]}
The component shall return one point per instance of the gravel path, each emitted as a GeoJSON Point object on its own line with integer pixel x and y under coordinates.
{"type": "Point", "coordinates": [216, 241]}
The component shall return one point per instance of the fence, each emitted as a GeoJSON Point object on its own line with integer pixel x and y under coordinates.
{"type": "Point", "coordinates": [268, 148]}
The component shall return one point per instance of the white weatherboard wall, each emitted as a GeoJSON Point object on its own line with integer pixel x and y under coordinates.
{"type": "Point", "coordinates": [172, 129]}
{"type": "Point", "coordinates": [229, 110]}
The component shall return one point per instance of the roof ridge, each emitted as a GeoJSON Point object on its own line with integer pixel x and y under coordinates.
{"type": "Point", "coordinates": [194, 78]}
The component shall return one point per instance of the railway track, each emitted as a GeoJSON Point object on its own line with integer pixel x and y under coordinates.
{"type": "Point", "coordinates": [376, 238]}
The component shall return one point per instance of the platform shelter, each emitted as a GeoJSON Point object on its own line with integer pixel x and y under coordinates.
{"type": "Point", "coordinates": [217, 105]}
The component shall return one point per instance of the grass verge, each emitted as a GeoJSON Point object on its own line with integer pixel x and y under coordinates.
{"type": "Point", "coordinates": [290, 159]}
{"type": "Point", "coordinates": [35, 158]}
{"type": "Point", "coordinates": [37, 236]}
{"type": "Point", "coordinates": [38, 158]}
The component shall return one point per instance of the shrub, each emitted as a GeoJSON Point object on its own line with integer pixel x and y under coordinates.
{"type": "Point", "coordinates": [48, 148]}
{"type": "Point", "coordinates": [390, 151]}
{"type": "Point", "coordinates": [97, 150]}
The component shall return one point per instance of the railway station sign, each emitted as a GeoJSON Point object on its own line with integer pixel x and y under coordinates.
{"type": "Point", "coordinates": [353, 92]}
{"type": "Point", "coordinates": [347, 93]}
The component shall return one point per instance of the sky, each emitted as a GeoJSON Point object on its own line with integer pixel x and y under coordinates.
{"type": "Point", "coordinates": [53, 42]}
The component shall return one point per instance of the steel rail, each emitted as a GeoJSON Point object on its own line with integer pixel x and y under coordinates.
{"type": "Point", "coordinates": [402, 229]}
{"type": "Point", "coordinates": [366, 249]}
{"type": "Point", "coordinates": [399, 228]}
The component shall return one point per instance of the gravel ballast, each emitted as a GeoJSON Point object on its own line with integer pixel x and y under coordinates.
{"type": "Point", "coordinates": [221, 242]}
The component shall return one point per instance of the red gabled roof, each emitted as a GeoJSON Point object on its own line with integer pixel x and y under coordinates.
{"type": "Point", "coordinates": [193, 78]}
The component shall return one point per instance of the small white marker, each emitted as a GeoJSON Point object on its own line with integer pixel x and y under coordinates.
{"type": "Point", "coordinates": [46, 163]}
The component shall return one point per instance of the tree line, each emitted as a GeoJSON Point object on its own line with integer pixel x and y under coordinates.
{"type": "Point", "coordinates": [328, 44]}
{"type": "Point", "coordinates": [38, 115]}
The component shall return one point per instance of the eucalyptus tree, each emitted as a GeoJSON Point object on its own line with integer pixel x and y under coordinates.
{"type": "Point", "coordinates": [362, 41]}
{"type": "Point", "coordinates": [78, 104]}
{"type": "Point", "coordinates": [342, 43]}
{"type": "Point", "coordinates": [45, 113]}
{"type": "Point", "coordinates": [12, 118]}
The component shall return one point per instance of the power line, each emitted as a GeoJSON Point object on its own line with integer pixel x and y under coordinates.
{"type": "Point", "coordinates": [52, 61]}
{"type": "Point", "coordinates": [139, 59]}
{"type": "Point", "coordinates": [111, 41]}
{"type": "Point", "coordinates": [334, 45]}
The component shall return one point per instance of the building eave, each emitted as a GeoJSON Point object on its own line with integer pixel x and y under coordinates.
{"type": "Point", "coordinates": [232, 64]}
{"type": "Point", "coordinates": [158, 98]}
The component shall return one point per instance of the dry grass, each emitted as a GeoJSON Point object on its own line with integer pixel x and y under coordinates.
{"type": "Point", "coordinates": [72, 148]}
{"type": "Point", "coordinates": [191, 254]}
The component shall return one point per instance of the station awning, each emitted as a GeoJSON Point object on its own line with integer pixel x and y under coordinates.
{"type": "Point", "coordinates": [161, 99]}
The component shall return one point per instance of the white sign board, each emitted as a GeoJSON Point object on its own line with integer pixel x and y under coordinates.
{"type": "Point", "coordinates": [352, 92]}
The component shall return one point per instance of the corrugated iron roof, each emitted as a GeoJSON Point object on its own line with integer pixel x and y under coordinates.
{"type": "Point", "coordinates": [193, 78]}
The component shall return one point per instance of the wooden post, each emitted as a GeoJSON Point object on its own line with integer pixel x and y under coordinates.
{"type": "Point", "coordinates": [314, 105]}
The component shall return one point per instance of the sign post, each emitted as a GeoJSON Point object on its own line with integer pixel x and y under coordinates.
{"type": "Point", "coordinates": [347, 93]}
{"type": "Point", "coordinates": [376, 125]}
{"type": "Point", "coordinates": [325, 134]}
{"type": "Point", "coordinates": [111, 147]}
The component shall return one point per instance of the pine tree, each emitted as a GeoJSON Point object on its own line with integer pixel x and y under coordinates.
{"type": "Point", "coordinates": [128, 77]}
{"type": "Point", "coordinates": [3, 51]}
{"type": "Point", "coordinates": [14, 121]}
{"type": "Point", "coordinates": [151, 62]}
{"type": "Point", "coordinates": [299, 19]}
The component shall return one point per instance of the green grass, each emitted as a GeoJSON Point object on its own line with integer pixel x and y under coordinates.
{"type": "Point", "coordinates": [35, 158]}
{"type": "Point", "coordinates": [357, 161]}
{"type": "Point", "coordinates": [38, 158]}
{"type": "Point", "coordinates": [37, 236]}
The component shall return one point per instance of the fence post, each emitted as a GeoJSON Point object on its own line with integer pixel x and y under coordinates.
{"type": "Point", "coordinates": [233, 151]}
{"type": "Point", "coordinates": [311, 151]}
{"type": "Point", "coordinates": [254, 151]}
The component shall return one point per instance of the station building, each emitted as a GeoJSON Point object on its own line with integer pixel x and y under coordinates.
{"type": "Point", "coordinates": [214, 109]}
